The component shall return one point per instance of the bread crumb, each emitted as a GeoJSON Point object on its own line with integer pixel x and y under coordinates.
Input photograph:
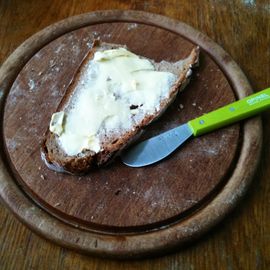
{"type": "Point", "coordinates": [194, 104]}
{"type": "Point", "coordinates": [57, 204]}
{"type": "Point", "coordinates": [107, 35]}
{"type": "Point", "coordinates": [42, 176]}
{"type": "Point", "coordinates": [132, 26]}
{"type": "Point", "coordinates": [52, 64]}
{"type": "Point", "coordinates": [200, 108]}
{"type": "Point", "coordinates": [96, 34]}
{"type": "Point", "coordinates": [31, 84]}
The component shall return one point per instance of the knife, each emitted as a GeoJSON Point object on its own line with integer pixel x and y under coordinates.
{"type": "Point", "coordinates": [159, 147]}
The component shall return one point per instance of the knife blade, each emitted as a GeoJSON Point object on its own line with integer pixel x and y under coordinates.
{"type": "Point", "coordinates": [159, 147]}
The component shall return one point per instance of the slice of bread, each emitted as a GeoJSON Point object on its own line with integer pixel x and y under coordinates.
{"type": "Point", "coordinates": [111, 135]}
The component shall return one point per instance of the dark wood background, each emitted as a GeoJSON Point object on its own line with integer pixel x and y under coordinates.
{"type": "Point", "coordinates": [241, 241]}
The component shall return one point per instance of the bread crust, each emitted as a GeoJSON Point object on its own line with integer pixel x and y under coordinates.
{"type": "Point", "coordinates": [56, 159]}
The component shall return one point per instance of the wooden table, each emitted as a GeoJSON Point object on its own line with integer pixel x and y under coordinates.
{"type": "Point", "coordinates": [241, 241]}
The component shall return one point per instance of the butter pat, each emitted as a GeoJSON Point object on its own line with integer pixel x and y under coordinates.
{"type": "Point", "coordinates": [102, 104]}
{"type": "Point", "coordinates": [110, 54]}
{"type": "Point", "coordinates": [56, 124]}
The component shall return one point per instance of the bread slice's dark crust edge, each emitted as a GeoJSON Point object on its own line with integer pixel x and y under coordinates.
{"type": "Point", "coordinates": [57, 160]}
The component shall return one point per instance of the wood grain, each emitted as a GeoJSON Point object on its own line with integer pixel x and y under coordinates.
{"type": "Point", "coordinates": [241, 243]}
{"type": "Point", "coordinates": [151, 195]}
{"type": "Point", "coordinates": [21, 129]}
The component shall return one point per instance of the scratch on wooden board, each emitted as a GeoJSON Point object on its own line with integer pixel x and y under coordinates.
{"type": "Point", "coordinates": [237, 194]}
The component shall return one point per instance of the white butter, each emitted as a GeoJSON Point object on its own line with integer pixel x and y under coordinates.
{"type": "Point", "coordinates": [56, 124]}
{"type": "Point", "coordinates": [112, 82]}
{"type": "Point", "coordinates": [110, 54]}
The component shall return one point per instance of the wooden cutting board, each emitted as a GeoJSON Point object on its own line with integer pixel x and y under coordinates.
{"type": "Point", "coordinates": [120, 211]}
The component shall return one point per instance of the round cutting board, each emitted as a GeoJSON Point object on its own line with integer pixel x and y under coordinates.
{"type": "Point", "coordinates": [116, 210]}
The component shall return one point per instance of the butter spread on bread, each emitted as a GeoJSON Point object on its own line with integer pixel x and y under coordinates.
{"type": "Point", "coordinates": [114, 95]}
{"type": "Point", "coordinates": [115, 80]}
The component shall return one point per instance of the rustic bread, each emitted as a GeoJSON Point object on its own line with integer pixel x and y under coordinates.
{"type": "Point", "coordinates": [112, 140]}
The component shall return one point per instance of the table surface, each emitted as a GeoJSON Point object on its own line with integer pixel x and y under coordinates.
{"type": "Point", "coordinates": [240, 241]}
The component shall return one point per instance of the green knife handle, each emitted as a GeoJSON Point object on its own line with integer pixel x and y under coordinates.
{"type": "Point", "coordinates": [231, 113]}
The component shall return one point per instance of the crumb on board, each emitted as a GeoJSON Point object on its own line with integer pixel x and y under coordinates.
{"type": "Point", "coordinates": [31, 84]}
{"type": "Point", "coordinates": [52, 64]}
{"type": "Point", "coordinates": [132, 26]}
